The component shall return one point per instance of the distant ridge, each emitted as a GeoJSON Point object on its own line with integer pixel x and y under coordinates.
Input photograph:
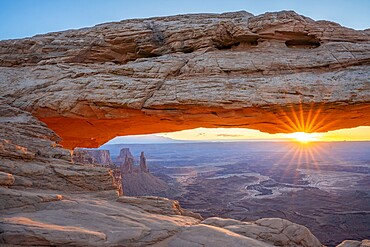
{"type": "Point", "coordinates": [156, 139]}
{"type": "Point", "coordinates": [143, 139]}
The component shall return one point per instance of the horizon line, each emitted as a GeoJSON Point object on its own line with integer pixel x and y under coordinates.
{"type": "Point", "coordinates": [176, 141]}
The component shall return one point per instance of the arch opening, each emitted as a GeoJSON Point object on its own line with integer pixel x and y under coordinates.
{"type": "Point", "coordinates": [92, 132]}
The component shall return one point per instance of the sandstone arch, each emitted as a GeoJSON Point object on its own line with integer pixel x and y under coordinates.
{"type": "Point", "coordinates": [161, 74]}
{"type": "Point", "coordinates": [181, 72]}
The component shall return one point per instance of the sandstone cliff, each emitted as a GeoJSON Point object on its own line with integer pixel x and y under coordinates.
{"type": "Point", "coordinates": [124, 156]}
{"type": "Point", "coordinates": [92, 156]}
{"type": "Point", "coordinates": [137, 180]}
{"type": "Point", "coordinates": [171, 73]}
{"type": "Point", "coordinates": [155, 75]}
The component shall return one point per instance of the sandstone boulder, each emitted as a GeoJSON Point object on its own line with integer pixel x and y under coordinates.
{"type": "Point", "coordinates": [277, 232]}
{"type": "Point", "coordinates": [353, 243]}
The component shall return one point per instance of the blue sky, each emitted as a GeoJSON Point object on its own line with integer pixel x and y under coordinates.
{"type": "Point", "coordinates": [24, 18]}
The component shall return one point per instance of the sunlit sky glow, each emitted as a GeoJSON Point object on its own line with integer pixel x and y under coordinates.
{"type": "Point", "coordinates": [354, 134]}
{"type": "Point", "coordinates": [237, 134]}
{"type": "Point", "coordinates": [24, 18]}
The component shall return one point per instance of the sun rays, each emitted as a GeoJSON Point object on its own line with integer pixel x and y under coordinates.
{"type": "Point", "coordinates": [303, 122]}
{"type": "Point", "coordinates": [304, 137]}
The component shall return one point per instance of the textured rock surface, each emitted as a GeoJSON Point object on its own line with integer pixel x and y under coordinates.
{"type": "Point", "coordinates": [6, 179]}
{"type": "Point", "coordinates": [124, 154]}
{"type": "Point", "coordinates": [78, 220]}
{"type": "Point", "coordinates": [275, 231]}
{"type": "Point", "coordinates": [46, 200]}
{"type": "Point", "coordinates": [173, 73]}
{"type": "Point", "coordinates": [143, 184]}
{"type": "Point", "coordinates": [137, 180]}
{"type": "Point", "coordinates": [142, 165]}
{"type": "Point", "coordinates": [31, 157]}
{"type": "Point", "coordinates": [269, 232]}
{"type": "Point", "coordinates": [92, 156]}
{"type": "Point", "coordinates": [353, 243]}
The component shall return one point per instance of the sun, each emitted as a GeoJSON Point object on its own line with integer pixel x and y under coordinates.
{"type": "Point", "coordinates": [304, 137]}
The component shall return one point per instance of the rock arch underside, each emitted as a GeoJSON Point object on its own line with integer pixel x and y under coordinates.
{"type": "Point", "coordinates": [276, 72]}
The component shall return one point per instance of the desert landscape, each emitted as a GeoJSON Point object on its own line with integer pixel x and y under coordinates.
{"type": "Point", "coordinates": [251, 180]}
{"type": "Point", "coordinates": [276, 72]}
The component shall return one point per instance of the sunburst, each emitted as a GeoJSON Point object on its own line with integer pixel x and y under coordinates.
{"type": "Point", "coordinates": [303, 137]}
{"type": "Point", "coordinates": [303, 123]}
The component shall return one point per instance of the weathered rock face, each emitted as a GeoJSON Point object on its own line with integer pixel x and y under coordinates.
{"type": "Point", "coordinates": [143, 184]}
{"type": "Point", "coordinates": [353, 243]}
{"type": "Point", "coordinates": [124, 156]}
{"type": "Point", "coordinates": [31, 157]}
{"type": "Point", "coordinates": [136, 180]}
{"type": "Point", "coordinates": [142, 221]}
{"type": "Point", "coordinates": [143, 166]}
{"type": "Point", "coordinates": [92, 156]}
{"type": "Point", "coordinates": [125, 160]}
{"type": "Point", "coordinates": [205, 70]}
{"type": "Point", "coordinates": [97, 157]}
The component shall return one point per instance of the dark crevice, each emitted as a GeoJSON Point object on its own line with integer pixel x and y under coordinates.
{"type": "Point", "coordinates": [141, 53]}
{"type": "Point", "coordinates": [188, 49]}
{"type": "Point", "coordinates": [227, 47]}
{"type": "Point", "coordinates": [302, 43]}
{"type": "Point", "coordinates": [241, 43]}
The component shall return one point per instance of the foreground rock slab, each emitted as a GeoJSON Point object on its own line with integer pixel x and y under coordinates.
{"type": "Point", "coordinates": [82, 220]}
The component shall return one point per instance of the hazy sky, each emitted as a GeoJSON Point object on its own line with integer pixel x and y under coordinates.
{"type": "Point", "coordinates": [24, 18]}
{"type": "Point", "coordinates": [354, 134]}
{"type": "Point", "coordinates": [236, 134]}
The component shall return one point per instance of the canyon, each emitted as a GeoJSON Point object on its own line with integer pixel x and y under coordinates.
{"type": "Point", "coordinates": [80, 88]}
{"type": "Point", "coordinates": [323, 186]}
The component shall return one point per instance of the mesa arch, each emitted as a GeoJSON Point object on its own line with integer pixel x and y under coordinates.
{"type": "Point", "coordinates": [180, 72]}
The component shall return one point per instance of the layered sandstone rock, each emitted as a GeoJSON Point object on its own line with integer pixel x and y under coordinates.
{"type": "Point", "coordinates": [203, 70]}
{"type": "Point", "coordinates": [31, 158]}
{"type": "Point", "coordinates": [126, 160]}
{"type": "Point", "coordinates": [92, 156]}
{"type": "Point", "coordinates": [143, 166]}
{"type": "Point", "coordinates": [137, 180]}
{"type": "Point", "coordinates": [152, 75]}
{"type": "Point", "coordinates": [275, 231]}
{"type": "Point", "coordinates": [353, 243]}
{"type": "Point", "coordinates": [125, 156]}
{"type": "Point", "coordinates": [143, 184]}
